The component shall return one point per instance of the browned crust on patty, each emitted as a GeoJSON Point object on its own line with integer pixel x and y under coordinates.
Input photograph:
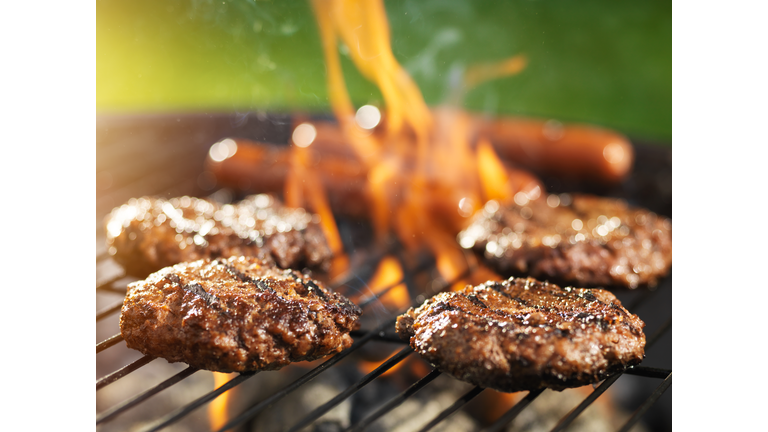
{"type": "Point", "coordinates": [147, 234]}
{"type": "Point", "coordinates": [574, 239]}
{"type": "Point", "coordinates": [235, 315]}
{"type": "Point", "coordinates": [522, 334]}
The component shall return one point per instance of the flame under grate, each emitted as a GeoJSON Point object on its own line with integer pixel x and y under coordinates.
{"type": "Point", "coordinates": [182, 143]}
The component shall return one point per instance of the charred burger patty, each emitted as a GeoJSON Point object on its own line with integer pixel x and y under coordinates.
{"type": "Point", "coordinates": [147, 234]}
{"type": "Point", "coordinates": [574, 239]}
{"type": "Point", "coordinates": [522, 334]}
{"type": "Point", "coordinates": [237, 314]}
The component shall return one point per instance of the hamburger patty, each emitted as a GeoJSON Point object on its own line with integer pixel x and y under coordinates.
{"type": "Point", "coordinates": [522, 334]}
{"type": "Point", "coordinates": [236, 314]}
{"type": "Point", "coordinates": [147, 234]}
{"type": "Point", "coordinates": [573, 239]}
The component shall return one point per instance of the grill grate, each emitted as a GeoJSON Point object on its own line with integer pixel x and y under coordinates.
{"type": "Point", "coordinates": [113, 282]}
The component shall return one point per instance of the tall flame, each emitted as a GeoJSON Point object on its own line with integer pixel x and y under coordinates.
{"type": "Point", "coordinates": [425, 176]}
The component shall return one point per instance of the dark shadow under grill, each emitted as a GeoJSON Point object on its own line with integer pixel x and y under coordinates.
{"type": "Point", "coordinates": [163, 155]}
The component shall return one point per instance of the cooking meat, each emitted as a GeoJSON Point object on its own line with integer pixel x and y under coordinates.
{"type": "Point", "coordinates": [147, 234]}
{"type": "Point", "coordinates": [522, 334]}
{"type": "Point", "coordinates": [573, 239]}
{"type": "Point", "coordinates": [234, 315]}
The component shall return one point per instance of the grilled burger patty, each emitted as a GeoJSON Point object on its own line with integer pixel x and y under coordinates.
{"type": "Point", "coordinates": [236, 314]}
{"type": "Point", "coordinates": [574, 239]}
{"type": "Point", "coordinates": [147, 234]}
{"type": "Point", "coordinates": [522, 334]}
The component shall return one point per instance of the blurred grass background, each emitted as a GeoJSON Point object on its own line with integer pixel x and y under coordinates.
{"type": "Point", "coordinates": [602, 62]}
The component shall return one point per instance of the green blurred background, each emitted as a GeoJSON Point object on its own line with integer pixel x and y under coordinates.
{"type": "Point", "coordinates": [595, 61]}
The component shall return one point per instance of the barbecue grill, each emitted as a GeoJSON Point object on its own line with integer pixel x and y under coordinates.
{"type": "Point", "coordinates": [164, 155]}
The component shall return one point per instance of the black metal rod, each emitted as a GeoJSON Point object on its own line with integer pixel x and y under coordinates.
{"type": "Point", "coordinates": [109, 310]}
{"type": "Point", "coordinates": [647, 404]}
{"type": "Point", "coordinates": [112, 341]}
{"type": "Point", "coordinates": [514, 411]}
{"type": "Point", "coordinates": [568, 419]}
{"type": "Point", "coordinates": [197, 403]}
{"type": "Point", "coordinates": [395, 402]}
{"type": "Point", "coordinates": [266, 403]}
{"type": "Point", "coordinates": [125, 370]}
{"type": "Point", "coordinates": [648, 372]}
{"type": "Point", "coordinates": [453, 408]}
{"type": "Point", "coordinates": [354, 388]}
{"type": "Point", "coordinates": [130, 403]}
{"type": "Point", "coordinates": [372, 298]}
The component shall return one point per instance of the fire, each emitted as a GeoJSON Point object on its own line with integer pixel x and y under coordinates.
{"type": "Point", "coordinates": [389, 276]}
{"type": "Point", "coordinates": [217, 410]}
{"type": "Point", "coordinates": [304, 185]}
{"type": "Point", "coordinates": [367, 367]}
{"type": "Point", "coordinates": [426, 174]}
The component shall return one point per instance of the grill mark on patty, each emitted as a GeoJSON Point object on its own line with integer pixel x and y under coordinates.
{"type": "Point", "coordinates": [447, 307]}
{"type": "Point", "coordinates": [497, 286]}
{"type": "Point", "coordinates": [245, 278]}
{"type": "Point", "coordinates": [474, 299]}
{"type": "Point", "coordinates": [196, 289]}
{"type": "Point", "coordinates": [310, 286]}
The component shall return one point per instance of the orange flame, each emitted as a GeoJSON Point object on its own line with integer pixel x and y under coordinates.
{"type": "Point", "coordinates": [217, 409]}
{"type": "Point", "coordinates": [367, 367]}
{"type": "Point", "coordinates": [478, 74]}
{"type": "Point", "coordinates": [303, 185]}
{"type": "Point", "coordinates": [424, 176]}
{"type": "Point", "coordinates": [388, 274]}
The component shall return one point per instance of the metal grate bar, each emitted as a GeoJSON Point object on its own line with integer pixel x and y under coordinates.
{"type": "Point", "coordinates": [125, 370]}
{"type": "Point", "coordinates": [112, 341]}
{"type": "Point", "coordinates": [453, 408]}
{"type": "Point", "coordinates": [372, 298]}
{"type": "Point", "coordinates": [648, 372]}
{"type": "Point", "coordinates": [514, 411]}
{"type": "Point", "coordinates": [567, 420]}
{"type": "Point", "coordinates": [109, 310]}
{"type": "Point", "coordinates": [319, 411]}
{"type": "Point", "coordinates": [396, 401]}
{"type": "Point", "coordinates": [647, 404]}
{"type": "Point", "coordinates": [130, 403]}
{"type": "Point", "coordinates": [108, 283]}
{"type": "Point", "coordinates": [251, 412]}
{"type": "Point", "coordinates": [187, 409]}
